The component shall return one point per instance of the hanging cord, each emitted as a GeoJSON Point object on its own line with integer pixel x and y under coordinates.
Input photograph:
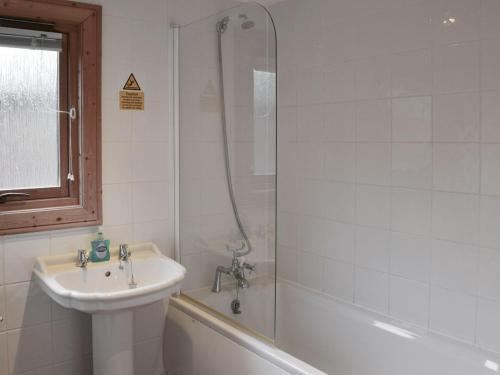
{"type": "Point", "coordinates": [221, 27]}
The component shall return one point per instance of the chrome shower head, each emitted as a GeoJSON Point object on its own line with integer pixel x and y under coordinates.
{"type": "Point", "coordinates": [246, 24]}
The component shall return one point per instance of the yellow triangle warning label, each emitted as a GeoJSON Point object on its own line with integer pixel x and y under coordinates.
{"type": "Point", "coordinates": [131, 83]}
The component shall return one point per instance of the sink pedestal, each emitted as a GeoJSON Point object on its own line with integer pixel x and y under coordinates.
{"type": "Point", "coordinates": [113, 343]}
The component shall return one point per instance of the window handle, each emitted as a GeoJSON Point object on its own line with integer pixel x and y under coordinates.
{"type": "Point", "coordinates": [5, 196]}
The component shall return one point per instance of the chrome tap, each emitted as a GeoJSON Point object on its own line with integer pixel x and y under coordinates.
{"type": "Point", "coordinates": [237, 271]}
{"type": "Point", "coordinates": [82, 259]}
{"type": "Point", "coordinates": [123, 253]}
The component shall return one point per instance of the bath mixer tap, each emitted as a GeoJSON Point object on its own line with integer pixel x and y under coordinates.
{"type": "Point", "coordinates": [237, 271]}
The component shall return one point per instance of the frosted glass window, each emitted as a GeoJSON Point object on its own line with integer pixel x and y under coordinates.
{"type": "Point", "coordinates": [29, 121]}
{"type": "Point", "coordinates": [264, 123]}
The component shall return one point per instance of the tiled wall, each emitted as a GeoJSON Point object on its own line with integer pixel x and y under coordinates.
{"type": "Point", "coordinates": [37, 336]}
{"type": "Point", "coordinates": [389, 158]}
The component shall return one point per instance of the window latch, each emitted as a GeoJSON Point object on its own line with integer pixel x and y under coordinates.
{"type": "Point", "coordinates": [5, 196]}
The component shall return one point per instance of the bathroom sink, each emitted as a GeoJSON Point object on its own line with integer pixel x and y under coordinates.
{"type": "Point", "coordinates": [105, 286]}
{"type": "Point", "coordinates": [110, 291]}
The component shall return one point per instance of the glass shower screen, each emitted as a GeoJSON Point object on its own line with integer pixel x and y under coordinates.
{"type": "Point", "coordinates": [227, 173]}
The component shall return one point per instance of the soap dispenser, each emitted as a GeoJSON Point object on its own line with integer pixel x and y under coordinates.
{"type": "Point", "coordinates": [100, 249]}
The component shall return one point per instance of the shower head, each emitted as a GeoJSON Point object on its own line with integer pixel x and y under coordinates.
{"type": "Point", "coordinates": [246, 24]}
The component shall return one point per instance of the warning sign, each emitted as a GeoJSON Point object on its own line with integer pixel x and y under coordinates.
{"type": "Point", "coordinates": [131, 97]}
{"type": "Point", "coordinates": [132, 100]}
{"type": "Point", "coordinates": [131, 83]}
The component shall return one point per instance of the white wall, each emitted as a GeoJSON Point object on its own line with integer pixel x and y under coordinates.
{"type": "Point", "coordinates": [389, 155]}
{"type": "Point", "coordinates": [37, 336]}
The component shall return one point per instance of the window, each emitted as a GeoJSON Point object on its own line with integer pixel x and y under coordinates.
{"type": "Point", "coordinates": [49, 115]}
{"type": "Point", "coordinates": [264, 122]}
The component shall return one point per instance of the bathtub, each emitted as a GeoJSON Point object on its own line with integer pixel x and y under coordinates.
{"type": "Point", "coordinates": [312, 329]}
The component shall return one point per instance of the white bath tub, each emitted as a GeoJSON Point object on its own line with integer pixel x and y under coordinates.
{"type": "Point", "coordinates": [335, 337]}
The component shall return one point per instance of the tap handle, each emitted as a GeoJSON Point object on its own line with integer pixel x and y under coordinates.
{"type": "Point", "coordinates": [250, 267]}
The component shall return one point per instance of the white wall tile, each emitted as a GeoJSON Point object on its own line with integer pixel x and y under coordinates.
{"type": "Point", "coordinates": [412, 73]}
{"type": "Point", "coordinates": [409, 300]}
{"type": "Point", "coordinates": [310, 123]}
{"type": "Point", "coordinates": [67, 241]}
{"type": "Point", "coordinates": [411, 256]}
{"type": "Point", "coordinates": [490, 58]}
{"type": "Point", "coordinates": [157, 232]}
{"type": "Point", "coordinates": [340, 122]}
{"type": "Point", "coordinates": [490, 220]}
{"type": "Point", "coordinates": [373, 248]}
{"type": "Point", "coordinates": [490, 173]}
{"type": "Point", "coordinates": [340, 82]}
{"type": "Point", "coordinates": [310, 270]}
{"type": "Point", "coordinates": [339, 201]}
{"type": "Point", "coordinates": [456, 167]}
{"type": "Point", "coordinates": [340, 162]}
{"type": "Point", "coordinates": [287, 124]}
{"type": "Point", "coordinates": [411, 119]}
{"type": "Point", "coordinates": [455, 217]}
{"type": "Point", "coordinates": [411, 211]}
{"type": "Point", "coordinates": [373, 206]}
{"type": "Point", "coordinates": [452, 314]}
{"type": "Point", "coordinates": [4, 361]}
{"type": "Point", "coordinates": [310, 159]}
{"type": "Point", "coordinates": [3, 310]}
{"type": "Point", "coordinates": [456, 117]}
{"type": "Point", "coordinates": [339, 279]}
{"type": "Point", "coordinates": [26, 305]}
{"type": "Point", "coordinates": [488, 327]}
{"type": "Point", "coordinates": [150, 161]}
{"type": "Point", "coordinates": [287, 263]}
{"type": "Point", "coordinates": [310, 86]}
{"type": "Point", "coordinates": [20, 254]}
{"type": "Point", "coordinates": [310, 197]}
{"type": "Point", "coordinates": [490, 11]}
{"type": "Point", "coordinates": [455, 266]}
{"type": "Point", "coordinates": [117, 204]}
{"type": "Point", "coordinates": [490, 115]}
{"type": "Point", "coordinates": [412, 165]}
{"type": "Point", "coordinates": [373, 78]}
{"type": "Point", "coordinates": [489, 274]}
{"type": "Point", "coordinates": [373, 121]}
{"type": "Point", "coordinates": [372, 289]}
{"type": "Point", "coordinates": [456, 67]}
{"type": "Point", "coordinates": [466, 12]}
{"type": "Point", "coordinates": [116, 161]}
{"type": "Point", "coordinates": [150, 201]}
{"type": "Point", "coordinates": [2, 270]}
{"type": "Point", "coordinates": [373, 163]}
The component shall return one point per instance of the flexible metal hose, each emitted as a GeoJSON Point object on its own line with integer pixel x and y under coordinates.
{"type": "Point", "coordinates": [221, 27]}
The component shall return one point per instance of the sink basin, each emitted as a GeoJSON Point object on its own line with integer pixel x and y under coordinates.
{"type": "Point", "coordinates": [104, 287]}
{"type": "Point", "coordinates": [106, 291]}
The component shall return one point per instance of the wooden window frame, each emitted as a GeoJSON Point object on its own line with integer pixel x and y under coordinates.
{"type": "Point", "coordinates": [77, 203]}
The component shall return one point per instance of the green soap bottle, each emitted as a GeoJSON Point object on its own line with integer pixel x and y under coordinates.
{"type": "Point", "coordinates": [100, 249]}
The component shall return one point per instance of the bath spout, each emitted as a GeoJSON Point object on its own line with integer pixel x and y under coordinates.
{"type": "Point", "coordinates": [216, 286]}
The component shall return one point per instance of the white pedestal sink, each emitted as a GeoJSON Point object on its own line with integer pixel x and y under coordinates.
{"type": "Point", "coordinates": [103, 290]}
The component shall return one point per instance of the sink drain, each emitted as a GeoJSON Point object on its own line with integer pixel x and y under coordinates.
{"type": "Point", "coordinates": [108, 274]}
